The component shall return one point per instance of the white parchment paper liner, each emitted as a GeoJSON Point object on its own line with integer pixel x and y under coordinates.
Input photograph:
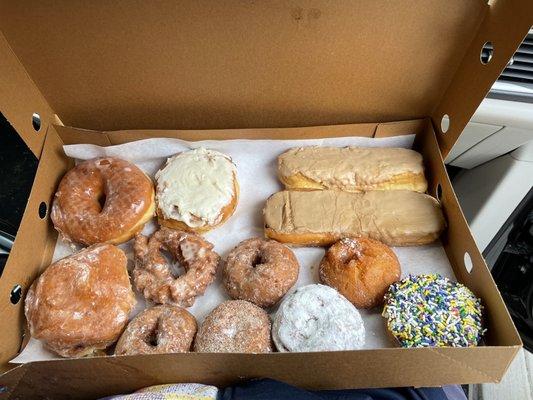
{"type": "Point", "coordinates": [256, 162]}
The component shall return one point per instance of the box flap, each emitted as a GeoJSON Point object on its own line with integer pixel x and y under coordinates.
{"type": "Point", "coordinates": [235, 64]}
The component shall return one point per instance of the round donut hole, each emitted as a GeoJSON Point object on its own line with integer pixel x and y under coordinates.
{"type": "Point", "coordinates": [468, 262]}
{"type": "Point", "coordinates": [445, 123]}
{"type": "Point", "coordinates": [257, 260]}
{"type": "Point", "coordinates": [43, 208]}
{"type": "Point", "coordinates": [176, 268]}
{"type": "Point", "coordinates": [486, 53]}
{"type": "Point", "coordinates": [438, 192]}
{"type": "Point", "coordinates": [36, 122]}
{"type": "Point", "coordinates": [16, 294]}
{"type": "Point", "coordinates": [101, 200]}
{"type": "Point", "coordinates": [151, 339]}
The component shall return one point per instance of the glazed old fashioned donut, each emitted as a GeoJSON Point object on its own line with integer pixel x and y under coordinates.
{"type": "Point", "coordinates": [157, 330]}
{"type": "Point", "coordinates": [103, 200]}
{"type": "Point", "coordinates": [80, 304]}
{"type": "Point", "coordinates": [153, 276]}
{"type": "Point", "coordinates": [361, 269]}
{"type": "Point", "coordinates": [260, 271]}
{"type": "Point", "coordinates": [197, 190]}
{"type": "Point", "coordinates": [235, 326]}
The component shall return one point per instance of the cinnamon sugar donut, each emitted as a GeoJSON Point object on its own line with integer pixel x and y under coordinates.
{"type": "Point", "coordinates": [103, 200]}
{"type": "Point", "coordinates": [235, 326]}
{"type": "Point", "coordinates": [153, 276]}
{"type": "Point", "coordinates": [80, 304]}
{"type": "Point", "coordinates": [260, 271]}
{"type": "Point", "coordinates": [157, 330]}
{"type": "Point", "coordinates": [361, 269]}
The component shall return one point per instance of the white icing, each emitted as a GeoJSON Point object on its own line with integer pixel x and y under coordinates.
{"type": "Point", "coordinates": [317, 318]}
{"type": "Point", "coordinates": [195, 186]}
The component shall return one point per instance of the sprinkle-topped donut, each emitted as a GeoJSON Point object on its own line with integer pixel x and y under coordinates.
{"type": "Point", "coordinates": [433, 311]}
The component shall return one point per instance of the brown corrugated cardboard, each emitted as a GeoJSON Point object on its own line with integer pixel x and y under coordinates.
{"type": "Point", "coordinates": [266, 65]}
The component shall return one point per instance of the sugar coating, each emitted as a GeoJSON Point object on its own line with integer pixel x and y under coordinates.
{"type": "Point", "coordinates": [432, 311]}
{"type": "Point", "coordinates": [235, 326]}
{"type": "Point", "coordinates": [317, 318]}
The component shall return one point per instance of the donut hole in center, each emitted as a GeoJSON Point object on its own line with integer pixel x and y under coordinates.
{"type": "Point", "coordinates": [350, 259]}
{"type": "Point", "coordinates": [152, 339]}
{"type": "Point", "coordinates": [257, 260]}
{"type": "Point", "coordinates": [176, 269]}
{"type": "Point", "coordinates": [101, 199]}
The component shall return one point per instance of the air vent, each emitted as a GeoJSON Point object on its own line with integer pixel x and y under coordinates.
{"type": "Point", "coordinates": [516, 81]}
{"type": "Point", "coordinates": [520, 68]}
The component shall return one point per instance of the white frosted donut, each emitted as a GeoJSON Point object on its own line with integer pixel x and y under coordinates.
{"type": "Point", "coordinates": [197, 190]}
{"type": "Point", "coordinates": [317, 318]}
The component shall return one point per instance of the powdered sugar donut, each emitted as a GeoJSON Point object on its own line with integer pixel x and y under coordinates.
{"type": "Point", "coordinates": [317, 318]}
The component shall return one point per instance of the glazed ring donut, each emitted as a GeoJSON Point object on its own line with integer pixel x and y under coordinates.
{"type": "Point", "coordinates": [157, 330]}
{"type": "Point", "coordinates": [260, 271]}
{"type": "Point", "coordinates": [152, 274]}
{"type": "Point", "coordinates": [235, 326]}
{"type": "Point", "coordinates": [80, 304]}
{"type": "Point", "coordinates": [103, 200]}
{"type": "Point", "coordinates": [361, 269]}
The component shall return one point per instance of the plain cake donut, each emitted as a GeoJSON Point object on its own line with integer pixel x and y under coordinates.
{"type": "Point", "coordinates": [235, 326]}
{"type": "Point", "coordinates": [361, 269]}
{"type": "Point", "coordinates": [80, 304]}
{"type": "Point", "coordinates": [260, 271]}
{"type": "Point", "coordinates": [157, 330]}
{"type": "Point", "coordinates": [153, 275]}
{"type": "Point", "coordinates": [103, 200]}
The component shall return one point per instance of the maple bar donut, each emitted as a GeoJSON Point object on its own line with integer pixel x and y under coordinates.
{"type": "Point", "coordinates": [103, 200]}
{"type": "Point", "coordinates": [157, 330]}
{"type": "Point", "coordinates": [196, 190]}
{"type": "Point", "coordinates": [235, 326]}
{"type": "Point", "coordinates": [80, 304]}
{"type": "Point", "coordinates": [153, 276]}
{"type": "Point", "coordinates": [361, 269]}
{"type": "Point", "coordinates": [260, 271]}
{"type": "Point", "coordinates": [352, 169]}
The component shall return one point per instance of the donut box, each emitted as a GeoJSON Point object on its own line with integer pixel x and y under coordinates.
{"type": "Point", "coordinates": [116, 73]}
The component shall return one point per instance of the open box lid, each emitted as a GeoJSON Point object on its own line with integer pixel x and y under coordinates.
{"type": "Point", "coordinates": [237, 64]}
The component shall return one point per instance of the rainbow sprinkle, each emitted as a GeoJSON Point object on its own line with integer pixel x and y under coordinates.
{"type": "Point", "coordinates": [432, 311]}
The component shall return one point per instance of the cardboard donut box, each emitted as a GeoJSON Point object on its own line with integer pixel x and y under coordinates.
{"type": "Point", "coordinates": [110, 73]}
